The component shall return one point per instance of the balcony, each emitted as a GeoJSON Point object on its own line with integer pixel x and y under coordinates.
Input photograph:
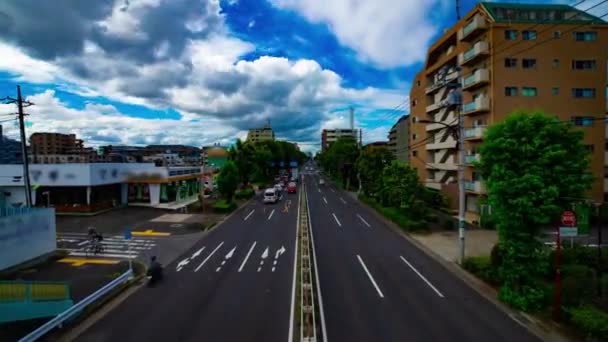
{"type": "Point", "coordinates": [480, 104]}
{"type": "Point", "coordinates": [480, 49]}
{"type": "Point", "coordinates": [477, 187]}
{"type": "Point", "coordinates": [449, 143]}
{"type": "Point", "coordinates": [474, 133]}
{"type": "Point", "coordinates": [470, 159]}
{"type": "Point", "coordinates": [435, 106]}
{"type": "Point", "coordinates": [478, 24]}
{"type": "Point", "coordinates": [450, 121]}
{"type": "Point", "coordinates": [432, 183]}
{"type": "Point", "coordinates": [476, 79]}
{"type": "Point", "coordinates": [452, 75]}
{"type": "Point", "coordinates": [444, 166]}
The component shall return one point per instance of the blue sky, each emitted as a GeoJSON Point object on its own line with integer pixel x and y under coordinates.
{"type": "Point", "coordinates": [201, 71]}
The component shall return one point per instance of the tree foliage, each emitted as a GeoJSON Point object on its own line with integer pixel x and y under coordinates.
{"type": "Point", "coordinates": [228, 180]}
{"type": "Point", "coordinates": [401, 188]}
{"type": "Point", "coordinates": [530, 163]}
{"type": "Point", "coordinates": [369, 165]}
{"type": "Point", "coordinates": [340, 157]}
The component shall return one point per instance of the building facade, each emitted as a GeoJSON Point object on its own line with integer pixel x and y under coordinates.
{"type": "Point", "coordinates": [504, 66]}
{"type": "Point", "coordinates": [260, 134]}
{"type": "Point", "coordinates": [398, 139]}
{"type": "Point", "coordinates": [55, 143]}
{"type": "Point", "coordinates": [329, 136]}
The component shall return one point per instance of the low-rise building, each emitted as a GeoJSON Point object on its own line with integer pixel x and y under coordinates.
{"type": "Point", "coordinates": [260, 134]}
{"type": "Point", "coordinates": [329, 136]}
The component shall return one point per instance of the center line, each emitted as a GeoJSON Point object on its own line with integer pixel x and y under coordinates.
{"type": "Point", "coordinates": [324, 200]}
{"type": "Point", "coordinates": [249, 214]}
{"type": "Point", "coordinates": [247, 256]}
{"type": "Point", "coordinates": [342, 199]}
{"type": "Point", "coordinates": [271, 213]}
{"type": "Point", "coordinates": [337, 221]}
{"type": "Point", "coordinates": [370, 276]}
{"type": "Point", "coordinates": [361, 218]}
{"type": "Point", "coordinates": [422, 277]}
{"type": "Point", "coordinates": [208, 257]}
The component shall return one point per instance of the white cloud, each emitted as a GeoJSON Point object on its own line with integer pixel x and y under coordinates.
{"type": "Point", "coordinates": [15, 61]}
{"type": "Point", "coordinates": [386, 32]}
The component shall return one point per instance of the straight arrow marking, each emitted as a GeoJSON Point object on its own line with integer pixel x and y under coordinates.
{"type": "Point", "coordinates": [197, 253]}
{"type": "Point", "coordinates": [229, 255]}
{"type": "Point", "coordinates": [265, 254]}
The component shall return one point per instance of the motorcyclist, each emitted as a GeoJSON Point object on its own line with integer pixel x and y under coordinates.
{"type": "Point", "coordinates": [155, 270]}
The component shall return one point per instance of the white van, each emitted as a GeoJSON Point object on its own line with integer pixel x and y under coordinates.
{"type": "Point", "coordinates": [271, 195]}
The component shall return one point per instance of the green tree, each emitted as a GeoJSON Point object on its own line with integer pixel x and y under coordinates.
{"type": "Point", "coordinates": [402, 189]}
{"type": "Point", "coordinates": [228, 180]}
{"type": "Point", "coordinates": [369, 165]}
{"type": "Point", "coordinates": [530, 163]}
{"type": "Point", "coordinates": [339, 159]}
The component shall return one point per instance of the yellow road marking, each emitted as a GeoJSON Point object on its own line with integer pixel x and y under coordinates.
{"type": "Point", "coordinates": [149, 232]}
{"type": "Point", "coordinates": [76, 262]}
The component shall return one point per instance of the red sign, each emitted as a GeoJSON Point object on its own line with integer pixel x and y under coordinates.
{"type": "Point", "coordinates": [568, 218]}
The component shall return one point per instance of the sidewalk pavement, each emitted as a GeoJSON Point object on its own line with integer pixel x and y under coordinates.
{"type": "Point", "coordinates": [478, 242]}
{"type": "Point", "coordinates": [83, 278]}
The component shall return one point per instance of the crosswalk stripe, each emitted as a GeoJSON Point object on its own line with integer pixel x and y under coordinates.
{"type": "Point", "coordinates": [107, 255]}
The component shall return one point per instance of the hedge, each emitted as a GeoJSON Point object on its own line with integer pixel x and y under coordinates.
{"type": "Point", "coordinates": [244, 194]}
{"type": "Point", "coordinates": [590, 321]}
{"type": "Point", "coordinates": [224, 207]}
{"type": "Point", "coordinates": [398, 216]}
{"type": "Point", "coordinates": [481, 266]}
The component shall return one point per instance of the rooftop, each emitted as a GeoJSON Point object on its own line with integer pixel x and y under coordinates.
{"type": "Point", "coordinates": [534, 13]}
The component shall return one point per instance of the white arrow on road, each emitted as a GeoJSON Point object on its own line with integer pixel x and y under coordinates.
{"type": "Point", "coordinates": [229, 255]}
{"type": "Point", "coordinates": [279, 252]}
{"type": "Point", "coordinates": [197, 253]}
{"type": "Point", "coordinates": [182, 263]}
{"type": "Point", "coordinates": [265, 254]}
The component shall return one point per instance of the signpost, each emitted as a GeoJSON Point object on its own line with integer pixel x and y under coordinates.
{"type": "Point", "coordinates": [128, 237]}
{"type": "Point", "coordinates": [568, 227]}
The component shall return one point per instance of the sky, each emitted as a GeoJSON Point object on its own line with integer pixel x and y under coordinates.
{"type": "Point", "coordinates": [199, 72]}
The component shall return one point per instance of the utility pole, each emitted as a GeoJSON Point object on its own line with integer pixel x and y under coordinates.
{"type": "Point", "coordinates": [26, 172]}
{"type": "Point", "coordinates": [461, 161]}
{"type": "Point", "coordinates": [458, 10]}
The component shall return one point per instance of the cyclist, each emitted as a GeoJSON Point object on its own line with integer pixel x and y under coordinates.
{"type": "Point", "coordinates": [95, 239]}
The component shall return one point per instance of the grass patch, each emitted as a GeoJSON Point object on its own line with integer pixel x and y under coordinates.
{"type": "Point", "coordinates": [222, 206]}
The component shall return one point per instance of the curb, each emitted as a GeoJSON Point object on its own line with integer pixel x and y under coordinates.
{"type": "Point", "coordinates": [536, 327]}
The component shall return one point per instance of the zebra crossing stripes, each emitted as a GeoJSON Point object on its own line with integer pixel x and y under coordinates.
{"type": "Point", "coordinates": [113, 247]}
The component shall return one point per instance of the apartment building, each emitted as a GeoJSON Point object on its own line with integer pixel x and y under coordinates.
{"type": "Point", "coordinates": [54, 143]}
{"type": "Point", "coordinates": [398, 139]}
{"type": "Point", "coordinates": [549, 57]}
{"type": "Point", "coordinates": [260, 134]}
{"type": "Point", "coordinates": [329, 136]}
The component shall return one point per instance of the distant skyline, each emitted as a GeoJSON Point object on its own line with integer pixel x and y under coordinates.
{"type": "Point", "coordinates": [197, 72]}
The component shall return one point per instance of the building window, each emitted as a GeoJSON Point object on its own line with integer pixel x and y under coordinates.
{"type": "Point", "coordinates": [555, 91]}
{"type": "Point", "coordinates": [586, 121]}
{"type": "Point", "coordinates": [555, 63]}
{"type": "Point", "coordinates": [510, 34]}
{"type": "Point", "coordinates": [583, 93]}
{"type": "Point", "coordinates": [528, 91]}
{"type": "Point", "coordinates": [414, 119]}
{"type": "Point", "coordinates": [415, 153]}
{"type": "Point", "coordinates": [528, 35]}
{"type": "Point", "coordinates": [585, 36]}
{"type": "Point", "coordinates": [418, 83]}
{"type": "Point", "coordinates": [583, 64]}
{"type": "Point", "coordinates": [557, 34]}
{"type": "Point", "coordinates": [510, 62]}
{"type": "Point", "coordinates": [414, 103]}
{"type": "Point", "coordinates": [528, 63]}
{"type": "Point", "coordinates": [510, 91]}
{"type": "Point", "coordinates": [414, 136]}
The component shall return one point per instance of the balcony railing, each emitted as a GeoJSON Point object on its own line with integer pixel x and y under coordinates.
{"type": "Point", "coordinates": [470, 159]}
{"type": "Point", "coordinates": [434, 106]}
{"type": "Point", "coordinates": [474, 133]}
{"type": "Point", "coordinates": [479, 49]}
{"type": "Point", "coordinates": [479, 77]}
{"type": "Point", "coordinates": [477, 187]}
{"type": "Point", "coordinates": [449, 143]}
{"type": "Point", "coordinates": [478, 105]}
{"type": "Point", "coordinates": [476, 25]}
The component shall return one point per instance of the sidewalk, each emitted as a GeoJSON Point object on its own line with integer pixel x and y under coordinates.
{"type": "Point", "coordinates": [478, 242]}
{"type": "Point", "coordinates": [83, 280]}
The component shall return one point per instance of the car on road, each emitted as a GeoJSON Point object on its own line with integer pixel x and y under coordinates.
{"type": "Point", "coordinates": [321, 181]}
{"type": "Point", "coordinates": [271, 195]}
{"type": "Point", "coordinates": [278, 187]}
{"type": "Point", "coordinates": [292, 188]}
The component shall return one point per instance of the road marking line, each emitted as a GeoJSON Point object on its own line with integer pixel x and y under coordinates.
{"type": "Point", "coordinates": [262, 262]}
{"type": "Point", "coordinates": [324, 200]}
{"type": "Point", "coordinates": [247, 256]}
{"type": "Point", "coordinates": [251, 213]}
{"type": "Point", "coordinates": [370, 276]}
{"type": "Point", "coordinates": [332, 190]}
{"type": "Point", "coordinates": [337, 221]}
{"type": "Point", "coordinates": [118, 256]}
{"type": "Point", "coordinates": [259, 269]}
{"type": "Point", "coordinates": [218, 269]}
{"type": "Point", "coordinates": [422, 277]}
{"type": "Point", "coordinates": [223, 262]}
{"type": "Point", "coordinates": [361, 218]}
{"type": "Point", "coordinates": [319, 190]}
{"type": "Point", "coordinates": [314, 258]}
{"type": "Point", "coordinates": [273, 269]}
{"type": "Point", "coordinates": [83, 242]}
{"type": "Point", "coordinates": [150, 232]}
{"type": "Point", "coordinates": [76, 262]}
{"type": "Point", "coordinates": [275, 262]}
{"type": "Point", "coordinates": [342, 199]}
{"type": "Point", "coordinates": [208, 257]}
{"type": "Point", "coordinates": [271, 213]}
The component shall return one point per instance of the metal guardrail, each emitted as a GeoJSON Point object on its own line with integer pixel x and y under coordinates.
{"type": "Point", "coordinates": [58, 320]}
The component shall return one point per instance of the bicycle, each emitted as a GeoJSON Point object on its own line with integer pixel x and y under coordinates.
{"type": "Point", "coordinates": [94, 247]}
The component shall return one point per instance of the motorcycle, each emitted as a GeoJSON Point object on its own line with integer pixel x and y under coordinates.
{"type": "Point", "coordinates": [155, 273]}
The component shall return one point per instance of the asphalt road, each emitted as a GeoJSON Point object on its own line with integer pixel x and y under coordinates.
{"type": "Point", "coordinates": [376, 286]}
{"type": "Point", "coordinates": [219, 290]}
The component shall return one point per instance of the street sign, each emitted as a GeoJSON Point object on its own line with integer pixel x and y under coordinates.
{"type": "Point", "coordinates": [128, 234]}
{"type": "Point", "coordinates": [568, 231]}
{"type": "Point", "coordinates": [568, 218]}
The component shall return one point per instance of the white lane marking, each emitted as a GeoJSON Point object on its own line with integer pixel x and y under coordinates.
{"type": "Point", "coordinates": [314, 259]}
{"type": "Point", "coordinates": [197, 253]}
{"type": "Point", "coordinates": [83, 242]}
{"type": "Point", "coordinates": [332, 190]}
{"type": "Point", "coordinates": [342, 199]}
{"type": "Point", "coordinates": [293, 281]}
{"type": "Point", "coordinates": [361, 218]}
{"type": "Point", "coordinates": [422, 277]}
{"type": "Point", "coordinates": [370, 276]}
{"type": "Point", "coordinates": [259, 269]}
{"type": "Point", "coordinates": [271, 213]}
{"type": "Point", "coordinates": [104, 255]}
{"type": "Point", "coordinates": [218, 269]}
{"type": "Point", "coordinates": [273, 269]}
{"type": "Point", "coordinates": [230, 254]}
{"type": "Point", "coordinates": [208, 257]}
{"type": "Point", "coordinates": [265, 254]}
{"type": "Point", "coordinates": [247, 256]}
{"type": "Point", "coordinates": [251, 213]}
{"type": "Point", "coordinates": [324, 200]}
{"type": "Point", "coordinates": [182, 263]}
{"type": "Point", "coordinates": [337, 221]}
{"type": "Point", "coordinates": [279, 252]}
{"type": "Point", "coordinates": [319, 190]}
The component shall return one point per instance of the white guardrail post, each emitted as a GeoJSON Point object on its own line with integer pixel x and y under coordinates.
{"type": "Point", "coordinates": [76, 308]}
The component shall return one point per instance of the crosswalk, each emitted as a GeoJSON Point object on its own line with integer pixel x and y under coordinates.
{"type": "Point", "coordinates": [113, 246]}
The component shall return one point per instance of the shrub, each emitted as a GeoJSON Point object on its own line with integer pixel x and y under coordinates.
{"type": "Point", "coordinates": [496, 256]}
{"type": "Point", "coordinates": [224, 207]}
{"type": "Point", "coordinates": [481, 266]}
{"type": "Point", "coordinates": [531, 297]}
{"type": "Point", "coordinates": [487, 222]}
{"type": "Point", "coordinates": [244, 194]}
{"type": "Point", "coordinates": [578, 285]}
{"type": "Point", "coordinates": [590, 322]}
{"type": "Point", "coordinates": [432, 217]}
{"type": "Point", "coordinates": [604, 285]}
{"type": "Point", "coordinates": [449, 224]}
{"type": "Point", "coordinates": [579, 255]}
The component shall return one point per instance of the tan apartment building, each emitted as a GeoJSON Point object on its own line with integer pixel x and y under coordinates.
{"type": "Point", "coordinates": [398, 139]}
{"type": "Point", "coordinates": [329, 136]}
{"type": "Point", "coordinates": [54, 143]}
{"type": "Point", "coordinates": [260, 134]}
{"type": "Point", "coordinates": [511, 56]}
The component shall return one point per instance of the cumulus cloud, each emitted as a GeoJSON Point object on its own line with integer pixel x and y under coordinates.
{"type": "Point", "coordinates": [387, 32]}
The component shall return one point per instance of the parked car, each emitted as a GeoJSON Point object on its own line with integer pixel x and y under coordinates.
{"type": "Point", "coordinates": [271, 195]}
{"type": "Point", "coordinates": [292, 188]}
